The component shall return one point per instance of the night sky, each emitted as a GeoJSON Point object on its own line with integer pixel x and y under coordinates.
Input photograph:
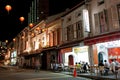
{"type": "Point", "coordinates": [10, 24]}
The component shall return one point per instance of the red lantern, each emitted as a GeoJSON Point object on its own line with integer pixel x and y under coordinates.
{"type": "Point", "coordinates": [31, 25]}
{"type": "Point", "coordinates": [8, 8]}
{"type": "Point", "coordinates": [22, 19]}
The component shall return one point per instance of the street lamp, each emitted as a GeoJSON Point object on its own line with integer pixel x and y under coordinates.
{"type": "Point", "coordinates": [21, 19]}
{"type": "Point", "coordinates": [14, 39]}
{"type": "Point", "coordinates": [31, 25]}
{"type": "Point", "coordinates": [8, 8]}
{"type": "Point", "coordinates": [6, 41]}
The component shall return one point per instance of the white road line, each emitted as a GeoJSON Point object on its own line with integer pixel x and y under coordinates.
{"type": "Point", "coordinates": [48, 78]}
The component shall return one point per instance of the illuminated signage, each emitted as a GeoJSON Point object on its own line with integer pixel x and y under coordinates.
{"type": "Point", "coordinates": [86, 20]}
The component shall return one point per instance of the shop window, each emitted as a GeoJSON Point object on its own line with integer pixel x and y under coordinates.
{"type": "Point", "coordinates": [96, 19]}
{"type": "Point", "coordinates": [26, 45]}
{"type": "Point", "coordinates": [34, 44]}
{"type": "Point", "coordinates": [65, 33]}
{"type": "Point", "coordinates": [51, 39]}
{"type": "Point", "coordinates": [58, 36]}
{"type": "Point", "coordinates": [79, 29]}
{"type": "Point", "coordinates": [70, 31]}
{"type": "Point", "coordinates": [103, 21]}
{"type": "Point", "coordinates": [118, 9]}
{"type": "Point", "coordinates": [114, 53]}
{"type": "Point", "coordinates": [40, 44]}
{"type": "Point", "coordinates": [114, 15]}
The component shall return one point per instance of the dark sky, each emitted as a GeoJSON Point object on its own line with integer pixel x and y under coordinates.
{"type": "Point", "coordinates": [10, 24]}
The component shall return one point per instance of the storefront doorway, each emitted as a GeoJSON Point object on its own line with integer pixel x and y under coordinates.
{"type": "Point", "coordinates": [70, 59]}
{"type": "Point", "coordinates": [44, 61]}
{"type": "Point", "coordinates": [100, 57]}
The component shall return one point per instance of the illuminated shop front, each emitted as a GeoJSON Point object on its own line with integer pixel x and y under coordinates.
{"type": "Point", "coordinates": [107, 51]}
{"type": "Point", "coordinates": [7, 58]}
{"type": "Point", "coordinates": [13, 58]}
{"type": "Point", "coordinates": [75, 54]}
{"type": "Point", "coordinates": [103, 47]}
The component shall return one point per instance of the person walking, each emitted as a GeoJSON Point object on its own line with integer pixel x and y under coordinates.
{"type": "Point", "coordinates": [106, 67]}
{"type": "Point", "coordinates": [116, 64]}
{"type": "Point", "coordinates": [37, 65]}
{"type": "Point", "coordinates": [101, 67]}
{"type": "Point", "coordinates": [112, 65]}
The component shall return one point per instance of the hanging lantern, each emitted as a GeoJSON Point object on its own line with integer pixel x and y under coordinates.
{"type": "Point", "coordinates": [31, 25]}
{"type": "Point", "coordinates": [6, 41]}
{"type": "Point", "coordinates": [14, 39]}
{"type": "Point", "coordinates": [22, 19]}
{"type": "Point", "coordinates": [38, 28]}
{"type": "Point", "coordinates": [8, 8]}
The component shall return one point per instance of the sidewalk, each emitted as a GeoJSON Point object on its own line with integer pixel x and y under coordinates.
{"type": "Point", "coordinates": [86, 75]}
{"type": "Point", "coordinates": [95, 76]}
{"type": "Point", "coordinates": [12, 68]}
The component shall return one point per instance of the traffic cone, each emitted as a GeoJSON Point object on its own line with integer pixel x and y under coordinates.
{"type": "Point", "coordinates": [75, 73]}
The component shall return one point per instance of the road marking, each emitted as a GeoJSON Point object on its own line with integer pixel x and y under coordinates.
{"type": "Point", "coordinates": [48, 78]}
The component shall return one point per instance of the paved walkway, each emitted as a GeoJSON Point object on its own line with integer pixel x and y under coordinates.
{"type": "Point", "coordinates": [95, 76]}
{"type": "Point", "coordinates": [87, 75]}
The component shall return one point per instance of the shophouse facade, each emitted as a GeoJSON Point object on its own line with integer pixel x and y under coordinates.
{"type": "Point", "coordinates": [11, 53]}
{"type": "Point", "coordinates": [88, 32]}
{"type": "Point", "coordinates": [57, 39]}
{"type": "Point", "coordinates": [32, 45]}
{"type": "Point", "coordinates": [21, 41]}
{"type": "Point", "coordinates": [39, 42]}
{"type": "Point", "coordinates": [104, 38]}
{"type": "Point", "coordinates": [53, 26]}
{"type": "Point", "coordinates": [75, 28]}
{"type": "Point", "coordinates": [6, 53]}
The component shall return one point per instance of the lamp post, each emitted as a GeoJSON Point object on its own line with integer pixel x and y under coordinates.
{"type": "Point", "coordinates": [21, 19]}
{"type": "Point", "coordinates": [6, 41]}
{"type": "Point", "coordinates": [14, 39]}
{"type": "Point", "coordinates": [8, 8]}
{"type": "Point", "coordinates": [31, 25]}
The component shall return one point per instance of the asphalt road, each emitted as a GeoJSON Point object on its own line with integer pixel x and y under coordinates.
{"type": "Point", "coordinates": [32, 75]}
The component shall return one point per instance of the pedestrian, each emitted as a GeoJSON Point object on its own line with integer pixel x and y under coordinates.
{"type": "Point", "coordinates": [56, 66]}
{"type": "Point", "coordinates": [116, 64]}
{"type": "Point", "coordinates": [79, 67]}
{"type": "Point", "coordinates": [37, 65]}
{"type": "Point", "coordinates": [101, 67]}
{"type": "Point", "coordinates": [106, 67]}
{"type": "Point", "coordinates": [51, 66]}
{"type": "Point", "coordinates": [85, 67]}
{"type": "Point", "coordinates": [112, 65]}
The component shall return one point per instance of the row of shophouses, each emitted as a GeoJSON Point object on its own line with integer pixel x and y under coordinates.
{"type": "Point", "coordinates": [88, 32]}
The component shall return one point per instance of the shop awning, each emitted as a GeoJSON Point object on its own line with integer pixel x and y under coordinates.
{"type": "Point", "coordinates": [102, 38]}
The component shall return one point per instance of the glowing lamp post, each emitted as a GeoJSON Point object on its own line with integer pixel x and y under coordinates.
{"type": "Point", "coordinates": [21, 19]}
{"type": "Point", "coordinates": [8, 8]}
{"type": "Point", "coordinates": [6, 41]}
{"type": "Point", "coordinates": [31, 25]}
{"type": "Point", "coordinates": [14, 39]}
